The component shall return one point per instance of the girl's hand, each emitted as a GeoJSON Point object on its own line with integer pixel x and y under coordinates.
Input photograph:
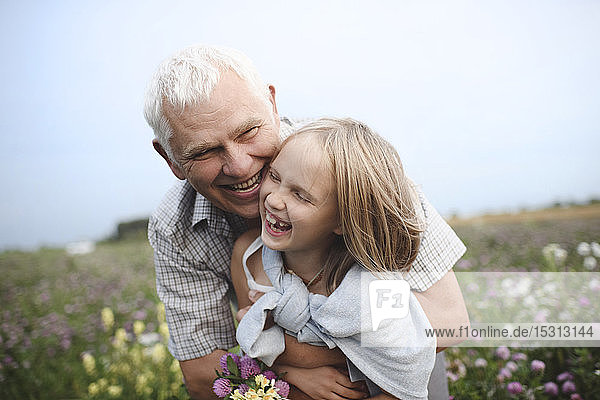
{"type": "Point", "coordinates": [241, 312]}
{"type": "Point", "coordinates": [324, 383]}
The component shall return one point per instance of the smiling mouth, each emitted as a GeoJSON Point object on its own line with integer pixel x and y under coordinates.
{"type": "Point", "coordinates": [275, 224]}
{"type": "Point", "coordinates": [247, 186]}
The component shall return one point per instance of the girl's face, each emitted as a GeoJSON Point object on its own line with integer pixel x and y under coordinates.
{"type": "Point", "coordinates": [298, 203]}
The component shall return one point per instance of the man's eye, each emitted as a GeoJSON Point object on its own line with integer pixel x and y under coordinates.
{"type": "Point", "coordinates": [201, 155]}
{"type": "Point", "coordinates": [249, 133]}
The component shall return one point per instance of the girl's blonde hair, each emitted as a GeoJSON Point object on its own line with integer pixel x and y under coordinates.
{"type": "Point", "coordinates": [381, 228]}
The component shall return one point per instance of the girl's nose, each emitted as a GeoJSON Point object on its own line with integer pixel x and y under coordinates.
{"type": "Point", "coordinates": [275, 201]}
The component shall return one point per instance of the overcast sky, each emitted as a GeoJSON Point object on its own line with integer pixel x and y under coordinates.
{"type": "Point", "coordinates": [491, 104]}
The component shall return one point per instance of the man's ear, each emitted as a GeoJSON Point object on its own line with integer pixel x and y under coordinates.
{"type": "Point", "coordinates": [272, 99]}
{"type": "Point", "coordinates": [174, 167]}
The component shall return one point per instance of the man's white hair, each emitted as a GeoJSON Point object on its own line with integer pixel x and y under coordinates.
{"type": "Point", "coordinates": [188, 78]}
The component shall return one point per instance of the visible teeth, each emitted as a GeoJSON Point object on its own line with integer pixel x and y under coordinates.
{"type": "Point", "coordinates": [247, 186]}
{"type": "Point", "coordinates": [276, 225]}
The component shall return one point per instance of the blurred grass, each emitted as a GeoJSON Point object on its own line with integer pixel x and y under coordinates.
{"type": "Point", "coordinates": [51, 313]}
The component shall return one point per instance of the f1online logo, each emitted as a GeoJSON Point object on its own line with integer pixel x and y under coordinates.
{"type": "Point", "coordinates": [388, 300]}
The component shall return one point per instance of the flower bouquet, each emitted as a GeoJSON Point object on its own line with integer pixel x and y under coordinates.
{"type": "Point", "coordinates": [244, 378]}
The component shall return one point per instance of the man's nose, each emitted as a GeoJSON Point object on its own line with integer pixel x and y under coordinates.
{"type": "Point", "coordinates": [237, 162]}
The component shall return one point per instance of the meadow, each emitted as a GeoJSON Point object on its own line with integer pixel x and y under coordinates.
{"type": "Point", "coordinates": [90, 326]}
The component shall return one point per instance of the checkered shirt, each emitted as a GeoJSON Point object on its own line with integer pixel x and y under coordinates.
{"type": "Point", "coordinates": [193, 241]}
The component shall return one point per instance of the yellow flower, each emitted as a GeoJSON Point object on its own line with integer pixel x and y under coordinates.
{"type": "Point", "coordinates": [123, 369]}
{"type": "Point", "coordinates": [261, 380]}
{"type": "Point", "coordinates": [114, 391]}
{"type": "Point", "coordinates": [251, 395]}
{"type": "Point", "coordinates": [159, 353]}
{"type": "Point", "coordinates": [141, 382]}
{"type": "Point", "coordinates": [175, 366]}
{"type": "Point", "coordinates": [138, 328]}
{"type": "Point", "coordinates": [163, 329]}
{"type": "Point", "coordinates": [108, 318]}
{"type": "Point", "coordinates": [120, 338]}
{"type": "Point", "coordinates": [102, 383]}
{"type": "Point", "coordinates": [89, 363]}
{"type": "Point", "coordinates": [93, 389]}
{"type": "Point", "coordinates": [136, 356]}
{"type": "Point", "coordinates": [160, 312]}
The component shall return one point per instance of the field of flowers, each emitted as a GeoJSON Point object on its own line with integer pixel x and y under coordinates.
{"type": "Point", "coordinates": [90, 326]}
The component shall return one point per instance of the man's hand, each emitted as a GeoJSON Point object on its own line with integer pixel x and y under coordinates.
{"type": "Point", "coordinates": [325, 383]}
{"type": "Point", "coordinates": [199, 375]}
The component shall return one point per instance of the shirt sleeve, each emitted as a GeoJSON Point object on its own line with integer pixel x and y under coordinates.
{"type": "Point", "coordinates": [196, 300]}
{"type": "Point", "coordinates": [440, 249]}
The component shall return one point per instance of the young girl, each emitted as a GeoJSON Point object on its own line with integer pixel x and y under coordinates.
{"type": "Point", "coordinates": [334, 203]}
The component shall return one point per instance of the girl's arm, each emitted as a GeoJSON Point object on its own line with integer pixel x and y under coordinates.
{"type": "Point", "coordinates": [238, 276]}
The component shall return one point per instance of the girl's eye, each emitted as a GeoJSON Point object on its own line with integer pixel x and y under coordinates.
{"type": "Point", "coordinates": [302, 197]}
{"type": "Point", "coordinates": [273, 177]}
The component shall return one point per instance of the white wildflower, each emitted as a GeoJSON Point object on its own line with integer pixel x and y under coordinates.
{"type": "Point", "coordinates": [583, 249]}
{"type": "Point", "coordinates": [590, 263]}
{"type": "Point", "coordinates": [148, 339]}
{"type": "Point", "coordinates": [553, 252]}
{"type": "Point", "coordinates": [595, 249]}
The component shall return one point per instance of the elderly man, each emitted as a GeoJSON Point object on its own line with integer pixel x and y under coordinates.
{"type": "Point", "coordinates": [216, 125]}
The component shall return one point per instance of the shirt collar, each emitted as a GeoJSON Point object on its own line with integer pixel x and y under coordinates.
{"type": "Point", "coordinates": [217, 220]}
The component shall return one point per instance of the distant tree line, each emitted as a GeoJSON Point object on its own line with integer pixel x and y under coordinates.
{"type": "Point", "coordinates": [135, 229]}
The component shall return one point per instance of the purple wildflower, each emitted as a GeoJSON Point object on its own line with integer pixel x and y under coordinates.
{"type": "Point", "coordinates": [140, 315]}
{"type": "Point", "coordinates": [284, 388]}
{"type": "Point", "coordinates": [243, 388]}
{"type": "Point", "coordinates": [511, 366]}
{"type": "Point", "coordinates": [564, 376]}
{"type": "Point", "coordinates": [514, 388]}
{"type": "Point", "coordinates": [551, 388]}
{"type": "Point", "coordinates": [537, 366]}
{"type": "Point", "coordinates": [481, 363]}
{"type": "Point", "coordinates": [270, 375]}
{"type": "Point", "coordinates": [576, 396]}
{"type": "Point", "coordinates": [519, 357]}
{"type": "Point", "coordinates": [223, 362]}
{"type": "Point", "coordinates": [503, 374]}
{"type": "Point", "coordinates": [503, 352]}
{"type": "Point", "coordinates": [248, 367]}
{"type": "Point", "coordinates": [222, 387]}
{"type": "Point", "coordinates": [453, 377]}
{"type": "Point", "coordinates": [568, 387]}
{"type": "Point", "coordinates": [584, 301]}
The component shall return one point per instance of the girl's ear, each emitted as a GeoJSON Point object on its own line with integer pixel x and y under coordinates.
{"type": "Point", "coordinates": [338, 230]}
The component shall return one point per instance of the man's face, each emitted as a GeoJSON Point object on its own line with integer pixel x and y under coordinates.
{"type": "Point", "coordinates": [222, 146]}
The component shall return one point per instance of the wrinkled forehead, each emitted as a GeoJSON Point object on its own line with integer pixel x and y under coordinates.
{"type": "Point", "coordinates": [227, 86]}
